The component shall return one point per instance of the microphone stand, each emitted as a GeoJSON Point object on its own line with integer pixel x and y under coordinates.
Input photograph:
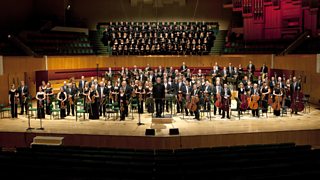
{"type": "Point", "coordinates": [41, 128]}
{"type": "Point", "coordinates": [139, 114]}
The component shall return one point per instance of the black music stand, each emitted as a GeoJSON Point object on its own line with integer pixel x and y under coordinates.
{"type": "Point", "coordinates": [139, 117]}
{"type": "Point", "coordinates": [29, 124]}
{"type": "Point", "coordinates": [40, 128]}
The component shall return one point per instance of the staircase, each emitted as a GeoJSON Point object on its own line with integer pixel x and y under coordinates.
{"type": "Point", "coordinates": [95, 39]}
{"type": "Point", "coordinates": [219, 43]}
{"type": "Point", "coordinates": [298, 41]}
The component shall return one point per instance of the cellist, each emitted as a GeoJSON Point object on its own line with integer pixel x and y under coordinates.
{"type": "Point", "coordinates": [242, 97]}
{"type": "Point", "coordinates": [225, 95]}
{"type": "Point", "coordinates": [265, 91]}
{"type": "Point", "coordinates": [277, 92]}
{"type": "Point", "coordinates": [295, 87]}
{"type": "Point", "coordinates": [255, 92]}
{"type": "Point", "coordinates": [217, 96]}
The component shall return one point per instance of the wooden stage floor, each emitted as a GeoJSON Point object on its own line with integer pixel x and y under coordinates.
{"type": "Point", "coordinates": [247, 130]}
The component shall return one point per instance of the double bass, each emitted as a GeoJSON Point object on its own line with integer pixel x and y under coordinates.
{"type": "Point", "coordinates": [297, 102]}
{"type": "Point", "coordinates": [194, 101]}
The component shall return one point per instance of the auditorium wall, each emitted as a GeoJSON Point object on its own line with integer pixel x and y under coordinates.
{"type": "Point", "coordinates": [17, 69]}
{"type": "Point", "coordinates": [304, 65]}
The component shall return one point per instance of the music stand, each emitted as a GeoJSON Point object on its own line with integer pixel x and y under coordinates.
{"type": "Point", "coordinates": [29, 124]}
{"type": "Point", "coordinates": [139, 117]}
{"type": "Point", "coordinates": [40, 128]}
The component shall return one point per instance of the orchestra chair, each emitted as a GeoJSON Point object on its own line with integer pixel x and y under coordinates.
{"type": "Point", "coordinates": [134, 104]}
{"type": "Point", "coordinates": [56, 110]}
{"type": "Point", "coordinates": [116, 109]}
{"type": "Point", "coordinates": [109, 110]}
{"type": "Point", "coordinates": [32, 110]}
{"type": "Point", "coordinates": [80, 109]}
{"type": "Point", "coordinates": [235, 105]}
{"type": "Point", "coordinates": [4, 109]}
{"type": "Point", "coordinates": [284, 110]}
{"type": "Point", "coordinates": [306, 102]}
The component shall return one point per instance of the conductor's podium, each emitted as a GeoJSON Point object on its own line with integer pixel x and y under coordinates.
{"type": "Point", "coordinates": [160, 123]}
{"type": "Point", "coordinates": [47, 140]}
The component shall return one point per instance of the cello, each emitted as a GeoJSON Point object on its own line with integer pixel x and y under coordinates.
{"type": "Point", "coordinates": [254, 102]}
{"type": "Point", "coordinates": [277, 103]}
{"type": "Point", "coordinates": [244, 102]}
{"type": "Point", "coordinates": [194, 101]}
{"type": "Point", "coordinates": [218, 102]}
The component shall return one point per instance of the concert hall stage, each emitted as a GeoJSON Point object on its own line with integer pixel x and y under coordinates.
{"type": "Point", "coordinates": [303, 128]}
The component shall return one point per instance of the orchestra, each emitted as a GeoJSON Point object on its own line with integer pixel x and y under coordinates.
{"type": "Point", "coordinates": [154, 89]}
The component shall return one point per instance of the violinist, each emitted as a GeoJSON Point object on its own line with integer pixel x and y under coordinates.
{"type": "Point", "coordinates": [188, 97]}
{"type": "Point", "coordinates": [123, 104]}
{"type": "Point", "coordinates": [255, 95]}
{"type": "Point", "coordinates": [140, 92]}
{"type": "Point", "coordinates": [103, 91]}
{"type": "Point", "coordinates": [93, 97]}
{"type": "Point", "coordinates": [62, 98]}
{"type": "Point", "coordinates": [40, 96]}
{"type": "Point", "coordinates": [242, 96]}
{"type": "Point", "coordinates": [49, 98]}
{"type": "Point", "coordinates": [207, 96]}
{"type": "Point", "coordinates": [109, 91]}
{"type": "Point", "coordinates": [265, 93]}
{"type": "Point", "coordinates": [23, 95]}
{"type": "Point", "coordinates": [13, 101]}
{"type": "Point", "coordinates": [277, 94]}
{"type": "Point", "coordinates": [225, 95]}
{"type": "Point", "coordinates": [195, 94]}
{"type": "Point", "coordinates": [217, 97]}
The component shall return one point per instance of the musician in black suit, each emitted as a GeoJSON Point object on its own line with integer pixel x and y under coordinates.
{"type": "Point", "coordinates": [294, 86]}
{"type": "Point", "coordinates": [127, 91]}
{"type": "Point", "coordinates": [159, 95]}
{"type": "Point", "coordinates": [230, 70]}
{"type": "Point", "coordinates": [103, 92]}
{"type": "Point", "coordinates": [183, 68]}
{"type": "Point", "coordinates": [251, 68]}
{"type": "Point", "coordinates": [23, 91]}
{"type": "Point", "coordinates": [82, 82]}
{"type": "Point", "coordinates": [225, 95]}
{"type": "Point", "coordinates": [263, 71]}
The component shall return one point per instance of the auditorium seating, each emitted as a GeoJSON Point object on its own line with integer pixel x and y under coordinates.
{"type": "Point", "coordinates": [273, 161]}
{"type": "Point", "coordinates": [59, 43]}
{"type": "Point", "coordinates": [159, 38]}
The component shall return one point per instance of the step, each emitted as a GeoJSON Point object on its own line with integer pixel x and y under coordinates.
{"type": "Point", "coordinates": [47, 140]}
{"type": "Point", "coordinates": [162, 120]}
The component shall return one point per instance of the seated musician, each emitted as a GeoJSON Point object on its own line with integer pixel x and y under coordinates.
{"type": "Point", "coordinates": [225, 95]}
{"type": "Point", "coordinates": [195, 93]}
{"type": "Point", "coordinates": [62, 98]}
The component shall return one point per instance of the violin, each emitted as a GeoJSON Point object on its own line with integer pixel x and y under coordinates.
{"type": "Point", "coordinates": [277, 103]}
{"type": "Point", "coordinates": [180, 97]}
{"type": "Point", "coordinates": [62, 106]}
{"type": "Point", "coordinates": [70, 100]}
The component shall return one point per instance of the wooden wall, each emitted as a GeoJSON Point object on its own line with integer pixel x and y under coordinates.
{"type": "Point", "coordinates": [17, 69]}
{"type": "Point", "coordinates": [70, 62]}
{"type": "Point", "coordinates": [304, 65]}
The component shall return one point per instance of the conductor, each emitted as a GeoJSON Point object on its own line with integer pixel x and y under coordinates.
{"type": "Point", "coordinates": [159, 95]}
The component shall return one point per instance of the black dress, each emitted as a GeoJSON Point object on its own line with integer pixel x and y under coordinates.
{"type": "Point", "coordinates": [264, 101]}
{"type": "Point", "coordinates": [140, 101]}
{"type": "Point", "coordinates": [13, 104]}
{"type": "Point", "coordinates": [94, 111]}
{"type": "Point", "coordinates": [62, 96]}
{"type": "Point", "coordinates": [40, 105]}
{"type": "Point", "coordinates": [49, 101]}
{"type": "Point", "coordinates": [277, 91]}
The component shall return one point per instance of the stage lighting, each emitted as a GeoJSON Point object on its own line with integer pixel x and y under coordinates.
{"type": "Point", "coordinates": [9, 36]}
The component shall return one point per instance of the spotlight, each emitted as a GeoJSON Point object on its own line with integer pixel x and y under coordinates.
{"type": "Point", "coordinates": [308, 36]}
{"type": "Point", "coordinates": [9, 36]}
{"type": "Point", "coordinates": [68, 7]}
